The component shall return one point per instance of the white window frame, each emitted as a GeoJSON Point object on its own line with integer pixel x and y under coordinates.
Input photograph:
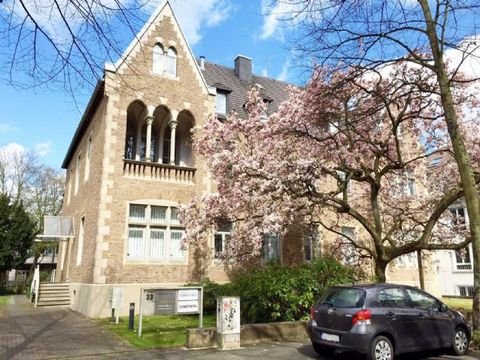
{"type": "Point", "coordinates": [69, 186]}
{"type": "Point", "coordinates": [463, 266]}
{"type": "Point", "coordinates": [410, 185]}
{"type": "Point", "coordinates": [343, 176]}
{"type": "Point", "coordinates": [269, 241]}
{"type": "Point", "coordinates": [221, 103]}
{"type": "Point", "coordinates": [224, 234]}
{"type": "Point", "coordinates": [349, 255]}
{"type": "Point", "coordinates": [310, 240]}
{"type": "Point", "coordinates": [170, 62]}
{"type": "Point", "coordinates": [88, 157]}
{"type": "Point", "coordinates": [157, 59]}
{"type": "Point", "coordinates": [466, 288]}
{"type": "Point", "coordinates": [77, 172]}
{"type": "Point", "coordinates": [81, 235]}
{"type": "Point", "coordinates": [457, 217]}
{"type": "Point", "coordinates": [170, 228]}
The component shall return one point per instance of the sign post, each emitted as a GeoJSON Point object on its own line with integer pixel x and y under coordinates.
{"type": "Point", "coordinates": [163, 301]}
{"type": "Point", "coordinates": [116, 299]}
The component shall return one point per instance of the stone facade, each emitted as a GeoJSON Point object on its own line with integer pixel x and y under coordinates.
{"type": "Point", "coordinates": [131, 153]}
{"type": "Point", "coordinates": [114, 182]}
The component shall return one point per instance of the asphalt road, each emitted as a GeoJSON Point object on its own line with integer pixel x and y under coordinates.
{"type": "Point", "coordinates": [274, 351]}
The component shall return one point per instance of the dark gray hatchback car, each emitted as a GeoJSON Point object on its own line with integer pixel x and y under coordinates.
{"type": "Point", "coordinates": [384, 320]}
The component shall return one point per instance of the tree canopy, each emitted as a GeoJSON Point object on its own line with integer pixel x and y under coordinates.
{"type": "Point", "coordinates": [350, 148]}
{"type": "Point", "coordinates": [17, 232]}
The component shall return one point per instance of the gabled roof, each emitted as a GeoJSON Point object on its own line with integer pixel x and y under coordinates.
{"type": "Point", "coordinates": [148, 26]}
{"type": "Point", "coordinates": [224, 78]}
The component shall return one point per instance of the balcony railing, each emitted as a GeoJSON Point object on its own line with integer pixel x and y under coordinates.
{"type": "Point", "coordinates": [464, 266]}
{"type": "Point", "coordinates": [156, 171]}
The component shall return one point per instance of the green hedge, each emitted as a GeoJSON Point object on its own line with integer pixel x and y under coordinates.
{"type": "Point", "coordinates": [279, 293]}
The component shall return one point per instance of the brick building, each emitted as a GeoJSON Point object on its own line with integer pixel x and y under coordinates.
{"type": "Point", "coordinates": [130, 164]}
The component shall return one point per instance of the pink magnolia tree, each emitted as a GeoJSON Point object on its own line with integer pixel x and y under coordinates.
{"type": "Point", "coordinates": [346, 149]}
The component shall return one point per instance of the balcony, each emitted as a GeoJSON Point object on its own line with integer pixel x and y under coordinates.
{"type": "Point", "coordinates": [158, 172]}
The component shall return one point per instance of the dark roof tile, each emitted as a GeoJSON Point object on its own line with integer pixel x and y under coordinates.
{"type": "Point", "coordinates": [224, 78]}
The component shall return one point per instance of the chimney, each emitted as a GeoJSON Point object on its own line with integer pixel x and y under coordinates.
{"type": "Point", "coordinates": [202, 63]}
{"type": "Point", "coordinates": [243, 67]}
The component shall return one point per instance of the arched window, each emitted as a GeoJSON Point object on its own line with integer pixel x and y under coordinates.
{"type": "Point", "coordinates": [158, 59]}
{"type": "Point", "coordinates": [171, 62]}
{"type": "Point", "coordinates": [166, 145]}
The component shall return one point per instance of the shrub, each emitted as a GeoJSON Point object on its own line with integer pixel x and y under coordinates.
{"type": "Point", "coordinates": [211, 291]}
{"type": "Point", "coordinates": [283, 293]}
{"type": "Point", "coordinates": [279, 293]}
{"type": "Point", "coordinates": [44, 276]}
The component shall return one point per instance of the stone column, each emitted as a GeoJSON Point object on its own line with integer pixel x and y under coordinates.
{"type": "Point", "coordinates": [148, 140]}
{"type": "Point", "coordinates": [173, 127]}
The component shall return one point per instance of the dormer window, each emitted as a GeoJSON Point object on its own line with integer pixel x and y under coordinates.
{"type": "Point", "coordinates": [221, 103]}
{"type": "Point", "coordinates": [164, 62]}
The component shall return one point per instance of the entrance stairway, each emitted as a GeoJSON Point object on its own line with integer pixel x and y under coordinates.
{"type": "Point", "coordinates": [53, 294]}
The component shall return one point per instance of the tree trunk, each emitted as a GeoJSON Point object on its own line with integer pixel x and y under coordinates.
{"type": "Point", "coordinates": [380, 269]}
{"type": "Point", "coordinates": [464, 163]}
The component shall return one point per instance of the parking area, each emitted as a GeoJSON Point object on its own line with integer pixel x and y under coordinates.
{"type": "Point", "coordinates": [59, 333]}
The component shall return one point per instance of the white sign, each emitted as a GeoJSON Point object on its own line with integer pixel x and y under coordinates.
{"type": "Point", "coordinates": [116, 297]}
{"type": "Point", "coordinates": [188, 306]}
{"type": "Point", "coordinates": [191, 294]}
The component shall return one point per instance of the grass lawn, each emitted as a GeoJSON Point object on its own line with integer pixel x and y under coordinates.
{"type": "Point", "coordinates": [158, 331]}
{"type": "Point", "coordinates": [458, 303]}
{"type": "Point", "coordinates": [5, 299]}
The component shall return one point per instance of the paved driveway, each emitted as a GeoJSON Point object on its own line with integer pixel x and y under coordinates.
{"type": "Point", "coordinates": [27, 333]}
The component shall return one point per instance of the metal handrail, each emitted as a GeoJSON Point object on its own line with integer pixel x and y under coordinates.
{"type": "Point", "coordinates": [35, 285]}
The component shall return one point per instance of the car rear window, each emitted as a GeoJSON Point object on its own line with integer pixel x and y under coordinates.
{"type": "Point", "coordinates": [343, 298]}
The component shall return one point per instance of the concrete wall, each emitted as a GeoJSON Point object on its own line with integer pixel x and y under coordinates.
{"type": "Point", "coordinates": [251, 334]}
{"type": "Point", "coordinates": [93, 300]}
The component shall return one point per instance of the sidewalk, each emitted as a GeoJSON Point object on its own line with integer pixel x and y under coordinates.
{"type": "Point", "coordinates": [29, 333]}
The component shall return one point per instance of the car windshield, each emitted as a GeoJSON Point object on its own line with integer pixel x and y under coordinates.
{"type": "Point", "coordinates": [343, 298]}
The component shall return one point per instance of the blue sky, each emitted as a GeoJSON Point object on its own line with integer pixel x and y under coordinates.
{"type": "Point", "coordinates": [44, 119]}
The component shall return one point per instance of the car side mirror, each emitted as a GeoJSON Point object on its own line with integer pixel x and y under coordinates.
{"type": "Point", "coordinates": [443, 307]}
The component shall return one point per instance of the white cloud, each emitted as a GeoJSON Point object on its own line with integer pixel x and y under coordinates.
{"type": "Point", "coordinates": [193, 15]}
{"type": "Point", "coordinates": [283, 76]}
{"type": "Point", "coordinates": [51, 20]}
{"type": "Point", "coordinates": [5, 127]}
{"type": "Point", "coordinates": [12, 149]}
{"type": "Point", "coordinates": [42, 149]}
{"type": "Point", "coordinates": [284, 14]}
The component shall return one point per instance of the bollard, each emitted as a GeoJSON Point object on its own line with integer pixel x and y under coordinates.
{"type": "Point", "coordinates": [112, 319]}
{"type": "Point", "coordinates": [131, 316]}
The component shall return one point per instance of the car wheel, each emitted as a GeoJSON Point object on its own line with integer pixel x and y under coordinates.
{"type": "Point", "coordinates": [322, 350]}
{"type": "Point", "coordinates": [460, 342]}
{"type": "Point", "coordinates": [380, 349]}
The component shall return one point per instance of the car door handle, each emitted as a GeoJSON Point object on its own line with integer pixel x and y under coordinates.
{"type": "Point", "coordinates": [422, 315]}
{"type": "Point", "coordinates": [390, 314]}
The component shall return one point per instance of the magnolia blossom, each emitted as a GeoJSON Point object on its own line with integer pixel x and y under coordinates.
{"type": "Point", "coordinates": [352, 147]}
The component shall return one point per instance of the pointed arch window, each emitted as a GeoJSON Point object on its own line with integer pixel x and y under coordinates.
{"type": "Point", "coordinates": [158, 59]}
{"type": "Point", "coordinates": [171, 61]}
